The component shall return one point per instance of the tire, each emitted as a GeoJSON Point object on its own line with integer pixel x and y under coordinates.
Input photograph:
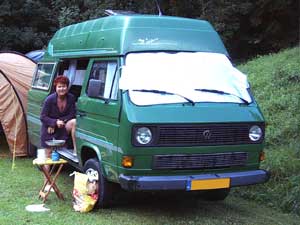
{"type": "Point", "coordinates": [216, 195]}
{"type": "Point", "coordinates": [104, 187]}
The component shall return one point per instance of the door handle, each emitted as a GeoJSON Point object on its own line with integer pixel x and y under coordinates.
{"type": "Point", "coordinates": [81, 114]}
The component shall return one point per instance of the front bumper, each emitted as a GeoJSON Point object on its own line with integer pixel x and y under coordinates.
{"type": "Point", "coordinates": [140, 183]}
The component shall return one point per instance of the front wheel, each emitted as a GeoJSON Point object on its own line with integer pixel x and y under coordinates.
{"type": "Point", "coordinates": [92, 166]}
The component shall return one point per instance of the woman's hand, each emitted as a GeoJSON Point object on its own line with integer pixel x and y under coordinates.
{"type": "Point", "coordinates": [50, 130]}
{"type": "Point", "coordinates": [60, 123]}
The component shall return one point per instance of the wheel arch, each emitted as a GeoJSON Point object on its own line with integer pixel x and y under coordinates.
{"type": "Point", "coordinates": [89, 151]}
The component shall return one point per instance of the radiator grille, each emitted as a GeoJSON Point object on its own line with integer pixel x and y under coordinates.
{"type": "Point", "coordinates": [197, 135]}
{"type": "Point", "coordinates": [199, 161]}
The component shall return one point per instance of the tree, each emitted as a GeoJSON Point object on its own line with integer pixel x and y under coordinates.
{"type": "Point", "coordinates": [25, 25]}
{"type": "Point", "coordinates": [248, 27]}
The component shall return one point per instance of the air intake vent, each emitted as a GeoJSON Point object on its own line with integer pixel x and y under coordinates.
{"type": "Point", "coordinates": [199, 161]}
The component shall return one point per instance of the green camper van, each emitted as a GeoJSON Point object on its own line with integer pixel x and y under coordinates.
{"type": "Point", "coordinates": [159, 106]}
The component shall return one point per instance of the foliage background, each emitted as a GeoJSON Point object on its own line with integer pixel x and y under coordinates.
{"type": "Point", "coordinates": [248, 27]}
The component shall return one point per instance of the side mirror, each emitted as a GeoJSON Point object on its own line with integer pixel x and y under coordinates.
{"type": "Point", "coordinates": [94, 88]}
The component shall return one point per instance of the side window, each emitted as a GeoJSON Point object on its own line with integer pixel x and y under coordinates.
{"type": "Point", "coordinates": [75, 70]}
{"type": "Point", "coordinates": [102, 80]}
{"type": "Point", "coordinates": [43, 76]}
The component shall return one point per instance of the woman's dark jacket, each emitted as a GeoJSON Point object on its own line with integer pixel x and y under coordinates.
{"type": "Point", "coordinates": [50, 113]}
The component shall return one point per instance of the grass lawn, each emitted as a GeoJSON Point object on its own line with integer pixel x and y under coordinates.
{"type": "Point", "coordinates": [19, 188]}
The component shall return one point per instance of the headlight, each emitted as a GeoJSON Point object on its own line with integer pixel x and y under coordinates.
{"type": "Point", "coordinates": [255, 133]}
{"type": "Point", "coordinates": [143, 135]}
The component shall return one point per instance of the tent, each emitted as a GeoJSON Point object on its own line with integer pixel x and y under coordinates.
{"type": "Point", "coordinates": [16, 73]}
{"type": "Point", "coordinates": [36, 55]}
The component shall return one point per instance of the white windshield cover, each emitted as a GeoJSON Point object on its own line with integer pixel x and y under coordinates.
{"type": "Point", "coordinates": [182, 74]}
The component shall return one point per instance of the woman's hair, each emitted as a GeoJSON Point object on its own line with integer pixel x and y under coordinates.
{"type": "Point", "coordinates": [61, 79]}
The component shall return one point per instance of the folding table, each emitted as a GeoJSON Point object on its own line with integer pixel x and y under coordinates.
{"type": "Point", "coordinates": [51, 176]}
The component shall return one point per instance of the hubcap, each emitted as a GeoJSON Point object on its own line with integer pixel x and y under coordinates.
{"type": "Point", "coordinates": [92, 174]}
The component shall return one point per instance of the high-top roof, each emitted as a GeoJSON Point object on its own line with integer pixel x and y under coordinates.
{"type": "Point", "coordinates": [120, 34]}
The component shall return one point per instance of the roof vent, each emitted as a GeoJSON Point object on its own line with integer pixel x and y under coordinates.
{"type": "Point", "coordinates": [111, 12]}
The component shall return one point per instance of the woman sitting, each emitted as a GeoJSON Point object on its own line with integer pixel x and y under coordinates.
{"type": "Point", "coordinates": [58, 115]}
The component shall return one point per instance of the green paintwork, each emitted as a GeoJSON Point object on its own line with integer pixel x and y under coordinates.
{"type": "Point", "coordinates": [184, 114]}
{"type": "Point", "coordinates": [118, 35]}
{"type": "Point", "coordinates": [104, 127]}
{"type": "Point", "coordinates": [199, 113]}
{"type": "Point", "coordinates": [35, 100]}
{"type": "Point", "coordinates": [100, 123]}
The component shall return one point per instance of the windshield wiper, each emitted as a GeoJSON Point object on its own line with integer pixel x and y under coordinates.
{"type": "Point", "coordinates": [222, 93]}
{"type": "Point", "coordinates": [165, 93]}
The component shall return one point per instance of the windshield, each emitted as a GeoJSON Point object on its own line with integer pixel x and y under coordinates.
{"type": "Point", "coordinates": [199, 77]}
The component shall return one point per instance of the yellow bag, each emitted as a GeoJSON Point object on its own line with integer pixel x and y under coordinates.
{"type": "Point", "coordinates": [85, 192]}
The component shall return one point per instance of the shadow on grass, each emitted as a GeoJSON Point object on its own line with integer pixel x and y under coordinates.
{"type": "Point", "coordinates": [163, 203]}
{"type": "Point", "coordinates": [177, 204]}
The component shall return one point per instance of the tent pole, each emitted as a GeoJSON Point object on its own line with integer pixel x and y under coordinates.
{"type": "Point", "coordinates": [15, 142]}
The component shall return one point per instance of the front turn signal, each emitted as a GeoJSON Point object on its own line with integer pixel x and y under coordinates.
{"type": "Point", "coordinates": [127, 161]}
{"type": "Point", "coordinates": [262, 156]}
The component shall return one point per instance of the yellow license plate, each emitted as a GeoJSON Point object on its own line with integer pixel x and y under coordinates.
{"type": "Point", "coordinates": [210, 184]}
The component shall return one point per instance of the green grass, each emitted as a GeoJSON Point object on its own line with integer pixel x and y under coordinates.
{"type": "Point", "coordinates": [275, 81]}
{"type": "Point", "coordinates": [19, 188]}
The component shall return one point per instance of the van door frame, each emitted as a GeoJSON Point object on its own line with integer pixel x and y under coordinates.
{"type": "Point", "coordinates": [97, 129]}
{"type": "Point", "coordinates": [36, 98]}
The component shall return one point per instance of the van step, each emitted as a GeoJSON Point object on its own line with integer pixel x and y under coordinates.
{"type": "Point", "coordinates": [68, 154]}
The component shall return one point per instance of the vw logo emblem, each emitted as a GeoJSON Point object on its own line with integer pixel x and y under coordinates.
{"type": "Point", "coordinates": [206, 134]}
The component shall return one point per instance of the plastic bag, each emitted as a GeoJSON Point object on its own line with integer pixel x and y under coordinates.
{"type": "Point", "coordinates": [85, 192]}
